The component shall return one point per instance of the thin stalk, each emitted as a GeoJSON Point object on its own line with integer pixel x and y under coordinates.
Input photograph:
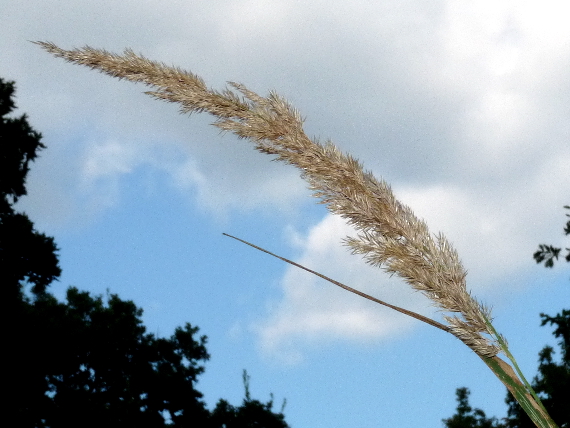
{"type": "Point", "coordinates": [348, 288]}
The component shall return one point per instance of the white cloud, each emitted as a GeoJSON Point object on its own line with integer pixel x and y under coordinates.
{"type": "Point", "coordinates": [223, 188]}
{"type": "Point", "coordinates": [108, 158]}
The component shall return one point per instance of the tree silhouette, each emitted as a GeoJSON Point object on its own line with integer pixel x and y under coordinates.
{"type": "Point", "coordinates": [547, 253]}
{"type": "Point", "coordinates": [26, 257]}
{"type": "Point", "coordinates": [251, 414]}
{"type": "Point", "coordinates": [103, 369]}
{"type": "Point", "coordinates": [467, 417]}
{"type": "Point", "coordinates": [25, 254]}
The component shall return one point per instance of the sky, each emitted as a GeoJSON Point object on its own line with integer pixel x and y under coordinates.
{"type": "Point", "coordinates": [461, 106]}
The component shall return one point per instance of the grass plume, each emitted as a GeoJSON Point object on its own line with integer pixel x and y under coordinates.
{"type": "Point", "coordinates": [389, 235]}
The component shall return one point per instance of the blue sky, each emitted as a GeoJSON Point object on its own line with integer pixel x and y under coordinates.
{"type": "Point", "coordinates": [462, 107]}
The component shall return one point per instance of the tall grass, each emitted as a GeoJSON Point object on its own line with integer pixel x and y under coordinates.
{"type": "Point", "coordinates": [389, 235]}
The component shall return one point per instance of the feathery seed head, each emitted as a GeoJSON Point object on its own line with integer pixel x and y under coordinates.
{"type": "Point", "coordinates": [389, 234]}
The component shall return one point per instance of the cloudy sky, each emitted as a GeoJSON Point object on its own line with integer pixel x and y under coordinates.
{"type": "Point", "coordinates": [462, 107]}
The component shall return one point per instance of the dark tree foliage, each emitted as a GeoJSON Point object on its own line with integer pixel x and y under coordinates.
{"type": "Point", "coordinates": [251, 414]}
{"type": "Point", "coordinates": [19, 144]}
{"type": "Point", "coordinates": [467, 417]}
{"type": "Point", "coordinates": [88, 362]}
{"type": "Point", "coordinates": [98, 367]}
{"type": "Point", "coordinates": [26, 257]}
{"type": "Point", "coordinates": [25, 254]}
{"type": "Point", "coordinates": [548, 253]}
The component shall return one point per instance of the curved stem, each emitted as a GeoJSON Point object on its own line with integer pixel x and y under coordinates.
{"type": "Point", "coordinates": [352, 290]}
{"type": "Point", "coordinates": [533, 408]}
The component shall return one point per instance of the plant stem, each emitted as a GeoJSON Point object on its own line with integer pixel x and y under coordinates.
{"type": "Point", "coordinates": [510, 356]}
{"type": "Point", "coordinates": [352, 290]}
{"type": "Point", "coordinates": [533, 408]}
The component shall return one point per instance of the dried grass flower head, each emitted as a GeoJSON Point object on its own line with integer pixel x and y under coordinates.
{"type": "Point", "coordinates": [389, 235]}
